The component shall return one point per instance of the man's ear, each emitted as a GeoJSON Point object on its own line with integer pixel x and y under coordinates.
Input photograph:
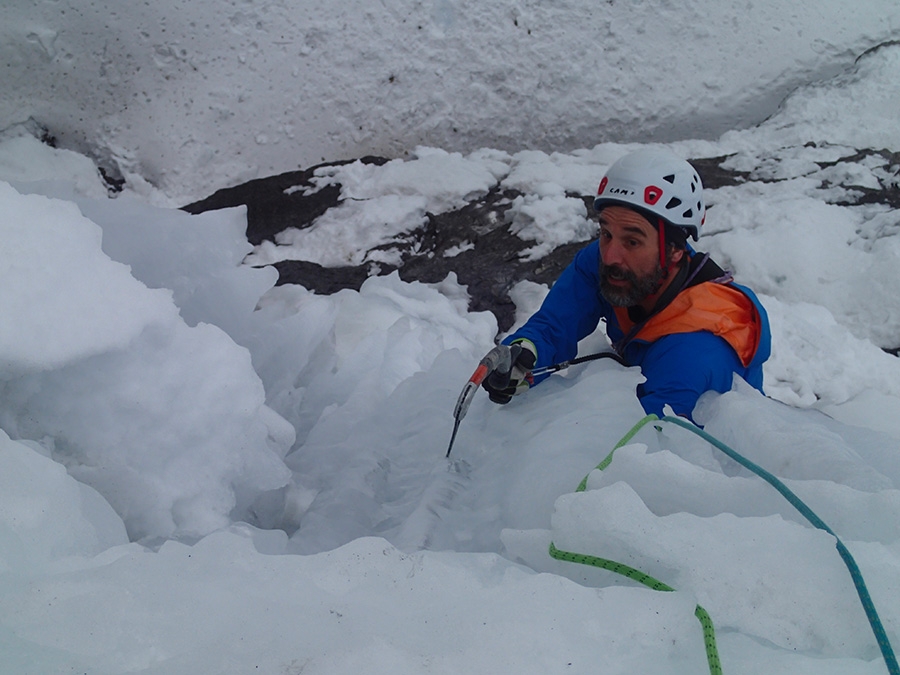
{"type": "Point", "coordinates": [675, 254]}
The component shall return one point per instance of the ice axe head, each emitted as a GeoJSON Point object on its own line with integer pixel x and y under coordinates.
{"type": "Point", "coordinates": [496, 363]}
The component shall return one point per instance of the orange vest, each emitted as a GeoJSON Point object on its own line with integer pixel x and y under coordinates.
{"type": "Point", "coordinates": [717, 308]}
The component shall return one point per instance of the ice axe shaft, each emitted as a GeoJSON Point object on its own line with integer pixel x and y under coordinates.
{"type": "Point", "coordinates": [498, 359]}
{"type": "Point", "coordinates": [555, 368]}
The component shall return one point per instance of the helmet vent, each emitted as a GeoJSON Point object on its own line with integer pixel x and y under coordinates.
{"type": "Point", "coordinates": [670, 178]}
{"type": "Point", "coordinates": [688, 214]}
{"type": "Point", "coordinates": [673, 203]}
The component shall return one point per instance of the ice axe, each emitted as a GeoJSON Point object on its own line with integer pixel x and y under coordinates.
{"type": "Point", "coordinates": [500, 360]}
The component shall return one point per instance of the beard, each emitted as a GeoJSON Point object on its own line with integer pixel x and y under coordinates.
{"type": "Point", "coordinates": [634, 291]}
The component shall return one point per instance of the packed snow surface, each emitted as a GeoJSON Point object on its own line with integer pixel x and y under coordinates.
{"type": "Point", "coordinates": [192, 96]}
{"type": "Point", "coordinates": [201, 472]}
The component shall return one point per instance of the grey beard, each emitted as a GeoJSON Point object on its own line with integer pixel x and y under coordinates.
{"type": "Point", "coordinates": [638, 288]}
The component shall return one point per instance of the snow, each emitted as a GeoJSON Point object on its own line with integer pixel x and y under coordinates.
{"type": "Point", "coordinates": [190, 97]}
{"type": "Point", "coordinates": [201, 472]}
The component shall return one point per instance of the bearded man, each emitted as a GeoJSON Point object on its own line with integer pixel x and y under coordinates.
{"type": "Point", "coordinates": [668, 309]}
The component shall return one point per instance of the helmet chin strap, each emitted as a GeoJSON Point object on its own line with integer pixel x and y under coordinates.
{"type": "Point", "coordinates": [663, 258]}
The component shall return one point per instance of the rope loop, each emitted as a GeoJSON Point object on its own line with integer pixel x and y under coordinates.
{"type": "Point", "coordinates": [709, 636]}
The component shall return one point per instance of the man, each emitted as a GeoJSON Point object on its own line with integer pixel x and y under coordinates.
{"type": "Point", "coordinates": [668, 309]}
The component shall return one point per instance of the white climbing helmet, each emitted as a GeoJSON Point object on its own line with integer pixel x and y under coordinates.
{"type": "Point", "coordinates": [658, 182]}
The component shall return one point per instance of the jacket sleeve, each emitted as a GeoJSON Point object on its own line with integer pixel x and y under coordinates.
{"type": "Point", "coordinates": [570, 312]}
{"type": "Point", "coordinates": [679, 368]}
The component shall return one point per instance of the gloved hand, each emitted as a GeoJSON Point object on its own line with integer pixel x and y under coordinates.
{"type": "Point", "coordinates": [503, 386]}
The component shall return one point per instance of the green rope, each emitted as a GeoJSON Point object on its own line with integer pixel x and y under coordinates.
{"type": "Point", "coordinates": [625, 440]}
{"type": "Point", "coordinates": [708, 632]}
{"type": "Point", "coordinates": [709, 639]}
{"type": "Point", "coordinates": [611, 565]}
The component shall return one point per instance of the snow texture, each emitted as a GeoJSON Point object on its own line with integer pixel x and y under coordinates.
{"type": "Point", "coordinates": [202, 472]}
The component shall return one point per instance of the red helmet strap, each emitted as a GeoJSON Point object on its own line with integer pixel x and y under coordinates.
{"type": "Point", "coordinates": [663, 258]}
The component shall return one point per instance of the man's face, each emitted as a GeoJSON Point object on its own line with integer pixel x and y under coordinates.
{"type": "Point", "coordinates": [629, 257]}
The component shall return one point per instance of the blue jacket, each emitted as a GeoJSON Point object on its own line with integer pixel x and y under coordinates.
{"type": "Point", "coordinates": [712, 329]}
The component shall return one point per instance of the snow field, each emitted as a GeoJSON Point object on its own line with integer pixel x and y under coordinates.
{"type": "Point", "coordinates": [164, 411]}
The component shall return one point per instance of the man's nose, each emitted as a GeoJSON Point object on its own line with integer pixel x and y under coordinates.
{"type": "Point", "coordinates": [611, 253]}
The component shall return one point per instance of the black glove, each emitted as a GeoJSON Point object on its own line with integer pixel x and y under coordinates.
{"type": "Point", "coordinates": [503, 386]}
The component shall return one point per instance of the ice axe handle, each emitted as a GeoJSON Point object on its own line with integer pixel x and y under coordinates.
{"type": "Point", "coordinates": [497, 360]}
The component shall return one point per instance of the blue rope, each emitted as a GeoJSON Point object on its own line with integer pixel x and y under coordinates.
{"type": "Point", "coordinates": [865, 598]}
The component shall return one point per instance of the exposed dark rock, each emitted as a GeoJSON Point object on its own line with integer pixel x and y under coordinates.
{"type": "Point", "coordinates": [492, 266]}
{"type": "Point", "coordinates": [271, 204]}
{"type": "Point", "coordinates": [489, 269]}
{"type": "Point", "coordinates": [887, 193]}
{"type": "Point", "coordinates": [489, 266]}
{"type": "Point", "coordinates": [321, 280]}
{"type": "Point", "coordinates": [714, 176]}
{"type": "Point", "coordinates": [115, 184]}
